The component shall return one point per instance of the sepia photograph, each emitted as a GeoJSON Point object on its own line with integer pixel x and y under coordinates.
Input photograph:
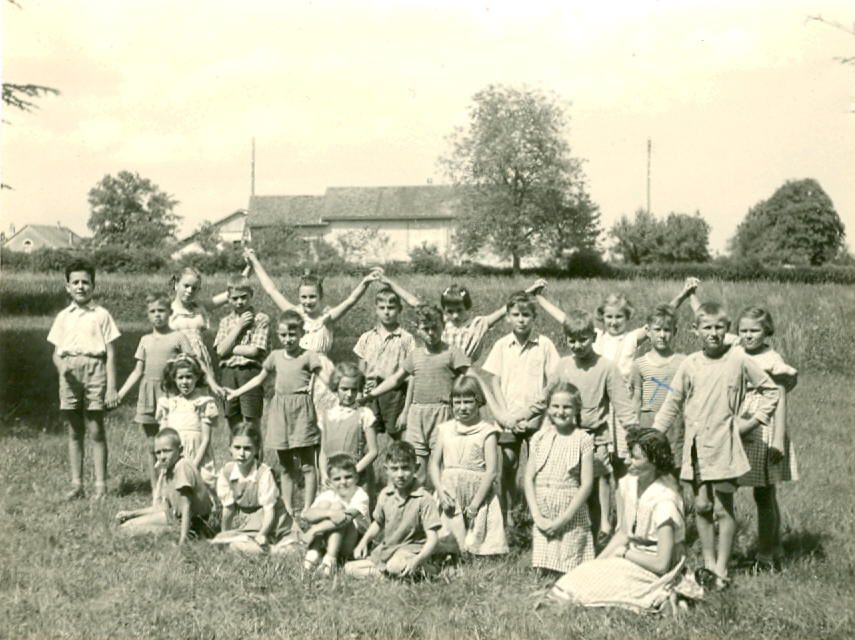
{"type": "Point", "coordinates": [427, 320]}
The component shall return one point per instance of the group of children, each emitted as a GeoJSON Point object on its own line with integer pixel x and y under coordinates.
{"type": "Point", "coordinates": [451, 467]}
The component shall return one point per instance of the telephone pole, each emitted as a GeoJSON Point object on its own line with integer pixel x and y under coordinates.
{"type": "Point", "coordinates": [252, 171]}
{"type": "Point", "coordinates": [649, 147]}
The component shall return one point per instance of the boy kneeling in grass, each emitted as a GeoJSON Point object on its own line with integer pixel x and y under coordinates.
{"type": "Point", "coordinates": [408, 517]}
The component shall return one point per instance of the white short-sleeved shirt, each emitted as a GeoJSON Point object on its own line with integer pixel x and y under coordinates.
{"type": "Point", "coordinates": [85, 330]}
{"type": "Point", "coordinates": [261, 476]}
{"type": "Point", "coordinates": [521, 368]}
{"type": "Point", "coordinates": [338, 413]}
{"type": "Point", "coordinates": [358, 502]}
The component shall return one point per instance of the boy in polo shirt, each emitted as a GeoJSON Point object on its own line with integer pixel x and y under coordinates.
{"type": "Point", "coordinates": [408, 517]}
{"type": "Point", "coordinates": [382, 350]}
{"type": "Point", "coordinates": [519, 363]}
{"type": "Point", "coordinates": [85, 358]}
{"type": "Point", "coordinates": [242, 343]}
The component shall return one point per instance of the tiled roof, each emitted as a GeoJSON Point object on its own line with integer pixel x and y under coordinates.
{"type": "Point", "coordinates": [355, 203]}
{"type": "Point", "coordinates": [52, 235]}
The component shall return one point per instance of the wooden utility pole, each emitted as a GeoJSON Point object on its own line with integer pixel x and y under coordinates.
{"type": "Point", "coordinates": [252, 172]}
{"type": "Point", "coordinates": [649, 147]}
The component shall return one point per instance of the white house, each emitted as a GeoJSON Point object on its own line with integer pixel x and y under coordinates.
{"type": "Point", "coordinates": [232, 230]}
{"type": "Point", "coordinates": [42, 236]}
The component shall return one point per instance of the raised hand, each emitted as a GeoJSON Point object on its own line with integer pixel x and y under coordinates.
{"type": "Point", "coordinates": [538, 286]}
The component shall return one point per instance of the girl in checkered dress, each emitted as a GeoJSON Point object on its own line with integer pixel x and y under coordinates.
{"type": "Point", "coordinates": [558, 482]}
{"type": "Point", "coordinates": [769, 450]}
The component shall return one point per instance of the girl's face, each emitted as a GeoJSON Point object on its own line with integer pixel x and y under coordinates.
{"type": "Point", "coordinates": [342, 481]}
{"type": "Point", "coordinates": [187, 288]}
{"type": "Point", "coordinates": [456, 313]}
{"type": "Point", "coordinates": [310, 298]}
{"type": "Point", "coordinates": [615, 320]}
{"type": "Point", "coordinates": [348, 390]}
{"type": "Point", "coordinates": [185, 380]}
{"type": "Point", "coordinates": [289, 336]}
{"type": "Point", "coordinates": [465, 409]}
{"type": "Point", "coordinates": [243, 451]}
{"type": "Point", "coordinates": [639, 465]}
{"type": "Point", "coordinates": [751, 334]}
{"type": "Point", "coordinates": [158, 314]}
{"type": "Point", "coordinates": [562, 410]}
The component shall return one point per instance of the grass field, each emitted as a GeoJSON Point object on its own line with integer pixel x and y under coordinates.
{"type": "Point", "coordinates": [65, 573]}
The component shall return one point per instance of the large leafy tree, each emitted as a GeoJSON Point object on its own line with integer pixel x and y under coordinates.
{"type": "Point", "coordinates": [131, 211]}
{"type": "Point", "coordinates": [797, 225]}
{"type": "Point", "coordinates": [520, 189]}
{"type": "Point", "coordinates": [646, 239]}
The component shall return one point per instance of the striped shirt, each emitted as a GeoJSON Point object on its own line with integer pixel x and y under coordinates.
{"type": "Point", "coordinates": [384, 351]}
{"type": "Point", "coordinates": [433, 373]}
{"type": "Point", "coordinates": [468, 337]}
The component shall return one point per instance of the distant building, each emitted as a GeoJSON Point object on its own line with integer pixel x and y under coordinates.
{"type": "Point", "coordinates": [41, 236]}
{"type": "Point", "coordinates": [407, 216]}
{"type": "Point", "coordinates": [231, 232]}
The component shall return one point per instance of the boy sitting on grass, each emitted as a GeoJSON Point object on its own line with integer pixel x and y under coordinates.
{"type": "Point", "coordinates": [408, 517]}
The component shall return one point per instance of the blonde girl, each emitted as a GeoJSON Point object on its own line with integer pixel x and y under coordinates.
{"type": "Point", "coordinates": [254, 518]}
{"type": "Point", "coordinates": [558, 480]}
{"type": "Point", "coordinates": [768, 447]}
{"type": "Point", "coordinates": [155, 349]}
{"type": "Point", "coordinates": [189, 411]}
{"type": "Point", "coordinates": [464, 469]}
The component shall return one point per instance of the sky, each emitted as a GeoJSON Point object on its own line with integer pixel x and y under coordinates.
{"type": "Point", "coordinates": [736, 97]}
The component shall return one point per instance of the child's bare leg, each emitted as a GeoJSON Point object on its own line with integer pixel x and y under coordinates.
{"type": "Point", "coordinates": [95, 427]}
{"type": "Point", "coordinates": [318, 529]}
{"type": "Point", "coordinates": [150, 430]}
{"type": "Point", "coordinates": [605, 493]}
{"type": "Point", "coordinates": [421, 473]}
{"type": "Point", "coordinates": [362, 569]}
{"type": "Point", "coordinates": [287, 481]}
{"type": "Point", "coordinates": [151, 523]}
{"type": "Point", "coordinates": [309, 469]}
{"type": "Point", "coordinates": [768, 522]}
{"type": "Point", "coordinates": [706, 527]}
{"type": "Point", "coordinates": [334, 542]}
{"type": "Point", "coordinates": [508, 488]}
{"type": "Point", "coordinates": [76, 433]}
{"type": "Point", "coordinates": [726, 530]}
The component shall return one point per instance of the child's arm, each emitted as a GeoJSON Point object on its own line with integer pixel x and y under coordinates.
{"type": "Point", "coordinates": [531, 497]}
{"type": "Point", "coordinates": [779, 432]}
{"type": "Point", "coordinates": [446, 500]}
{"type": "Point", "coordinates": [371, 449]}
{"type": "Point", "coordinates": [491, 475]}
{"type": "Point", "coordinates": [58, 362]}
{"type": "Point", "coordinates": [226, 342]}
{"type": "Point", "coordinates": [401, 422]}
{"type": "Point", "coordinates": [133, 378]}
{"type": "Point", "coordinates": [620, 400]}
{"type": "Point", "coordinates": [629, 348]}
{"type": "Point", "coordinates": [252, 384]}
{"type": "Point", "coordinates": [673, 405]}
{"type": "Point", "coordinates": [427, 549]}
{"type": "Point", "coordinates": [228, 515]}
{"type": "Point", "coordinates": [110, 398]}
{"type": "Point", "coordinates": [338, 311]}
{"type": "Point", "coordinates": [497, 315]}
{"type": "Point", "coordinates": [537, 290]}
{"type": "Point", "coordinates": [686, 293]}
{"type": "Point", "coordinates": [768, 401]}
{"type": "Point", "coordinates": [129, 514]}
{"type": "Point", "coordinates": [388, 384]}
{"type": "Point", "coordinates": [361, 549]}
{"type": "Point", "coordinates": [267, 282]}
{"type": "Point", "coordinates": [185, 507]}
{"type": "Point", "coordinates": [411, 299]}
{"type": "Point", "coordinates": [636, 385]}
{"type": "Point", "coordinates": [579, 500]}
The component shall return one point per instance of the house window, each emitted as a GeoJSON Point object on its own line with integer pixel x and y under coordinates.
{"type": "Point", "coordinates": [28, 245]}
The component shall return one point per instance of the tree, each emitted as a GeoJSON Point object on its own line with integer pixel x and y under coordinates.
{"type": "Point", "coordinates": [520, 189]}
{"type": "Point", "coordinates": [362, 246]}
{"type": "Point", "coordinates": [678, 238]}
{"type": "Point", "coordinates": [131, 211]}
{"type": "Point", "coordinates": [281, 243]}
{"type": "Point", "coordinates": [797, 225]}
{"type": "Point", "coordinates": [208, 236]}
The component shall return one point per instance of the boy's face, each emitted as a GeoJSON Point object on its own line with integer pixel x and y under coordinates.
{"type": "Point", "coordinates": [521, 320]}
{"type": "Point", "coordinates": [166, 452]}
{"type": "Point", "coordinates": [289, 336]}
{"type": "Point", "coordinates": [402, 475]}
{"type": "Point", "coordinates": [158, 314]}
{"type": "Point", "coordinates": [387, 312]}
{"type": "Point", "coordinates": [661, 334]}
{"type": "Point", "coordinates": [581, 345]}
{"type": "Point", "coordinates": [456, 312]}
{"type": "Point", "coordinates": [430, 333]}
{"type": "Point", "coordinates": [239, 300]}
{"type": "Point", "coordinates": [343, 481]}
{"type": "Point", "coordinates": [79, 286]}
{"type": "Point", "coordinates": [711, 330]}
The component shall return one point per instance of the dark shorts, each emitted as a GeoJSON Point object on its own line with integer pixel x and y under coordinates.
{"type": "Point", "coordinates": [387, 408]}
{"type": "Point", "coordinates": [250, 404]}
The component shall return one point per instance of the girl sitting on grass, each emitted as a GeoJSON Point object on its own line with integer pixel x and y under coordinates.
{"type": "Point", "coordinates": [464, 469]}
{"type": "Point", "coordinates": [559, 478]}
{"type": "Point", "coordinates": [190, 412]}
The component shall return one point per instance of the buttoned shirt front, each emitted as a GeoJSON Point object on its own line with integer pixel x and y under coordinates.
{"type": "Point", "coordinates": [521, 368]}
{"type": "Point", "coordinates": [83, 330]}
{"type": "Point", "coordinates": [384, 351]}
{"type": "Point", "coordinates": [255, 335]}
{"type": "Point", "coordinates": [406, 519]}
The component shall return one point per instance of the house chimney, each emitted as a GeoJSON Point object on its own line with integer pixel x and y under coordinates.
{"type": "Point", "coordinates": [59, 224]}
{"type": "Point", "coordinates": [11, 229]}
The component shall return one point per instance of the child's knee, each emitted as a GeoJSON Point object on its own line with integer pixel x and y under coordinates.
{"type": "Point", "coordinates": [723, 508]}
{"type": "Point", "coordinates": [96, 430]}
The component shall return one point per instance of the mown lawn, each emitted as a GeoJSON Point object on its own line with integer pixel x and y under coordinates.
{"type": "Point", "coordinates": [64, 571]}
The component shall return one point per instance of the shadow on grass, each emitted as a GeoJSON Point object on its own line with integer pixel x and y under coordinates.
{"type": "Point", "coordinates": [804, 544]}
{"type": "Point", "coordinates": [131, 486]}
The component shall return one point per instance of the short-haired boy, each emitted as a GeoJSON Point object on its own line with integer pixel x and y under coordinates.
{"type": "Point", "coordinates": [708, 390]}
{"type": "Point", "coordinates": [433, 365]}
{"type": "Point", "coordinates": [519, 363]}
{"type": "Point", "coordinates": [408, 517]}
{"type": "Point", "coordinates": [242, 343]}
{"type": "Point", "coordinates": [651, 376]}
{"type": "Point", "coordinates": [181, 497]}
{"type": "Point", "coordinates": [338, 516]}
{"type": "Point", "coordinates": [83, 336]}
{"type": "Point", "coordinates": [382, 350]}
{"type": "Point", "coordinates": [602, 388]}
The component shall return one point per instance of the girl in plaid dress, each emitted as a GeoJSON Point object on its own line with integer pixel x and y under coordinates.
{"type": "Point", "coordinates": [558, 481]}
{"type": "Point", "coordinates": [769, 450]}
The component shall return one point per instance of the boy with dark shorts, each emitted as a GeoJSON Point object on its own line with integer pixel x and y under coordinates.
{"type": "Point", "coordinates": [382, 350]}
{"type": "Point", "coordinates": [83, 335]}
{"type": "Point", "coordinates": [242, 343]}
